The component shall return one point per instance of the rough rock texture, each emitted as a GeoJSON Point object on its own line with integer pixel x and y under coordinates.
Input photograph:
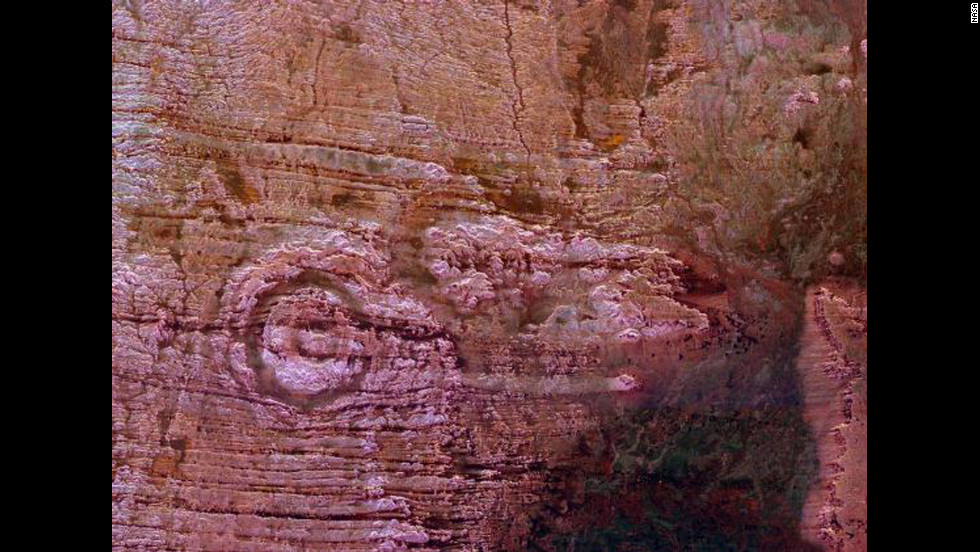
{"type": "Point", "coordinates": [489, 275]}
{"type": "Point", "coordinates": [833, 367]}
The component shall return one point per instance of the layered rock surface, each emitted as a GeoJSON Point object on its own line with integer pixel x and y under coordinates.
{"type": "Point", "coordinates": [833, 367]}
{"type": "Point", "coordinates": [489, 275]}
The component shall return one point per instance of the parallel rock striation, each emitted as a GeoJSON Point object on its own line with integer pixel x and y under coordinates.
{"type": "Point", "coordinates": [489, 275]}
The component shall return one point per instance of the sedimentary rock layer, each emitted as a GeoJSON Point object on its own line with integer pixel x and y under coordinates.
{"type": "Point", "coordinates": [504, 275]}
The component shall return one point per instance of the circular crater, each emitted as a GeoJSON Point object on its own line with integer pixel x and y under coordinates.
{"type": "Point", "coordinates": [310, 346]}
{"type": "Point", "coordinates": [311, 337]}
{"type": "Point", "coordinates": [305, 341]}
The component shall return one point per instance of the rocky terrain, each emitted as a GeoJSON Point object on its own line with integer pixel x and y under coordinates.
{"type": "Point", "coordinates": [489, 275]}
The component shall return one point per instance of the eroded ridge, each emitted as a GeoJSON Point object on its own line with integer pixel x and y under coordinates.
{"type": "Point", "coordinates": [833, 366]}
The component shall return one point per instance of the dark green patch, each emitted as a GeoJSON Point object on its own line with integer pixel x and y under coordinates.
{"type": "Point", "coordinates": [694, 480]}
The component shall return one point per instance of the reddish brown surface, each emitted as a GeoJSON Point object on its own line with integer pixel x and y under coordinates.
{"type": "Point", "coordinates": [488, 275]}
{"type": "Point", "coordinates": [833, 370]}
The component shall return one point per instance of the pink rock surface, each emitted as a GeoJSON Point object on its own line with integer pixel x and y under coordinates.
{"type": "Point", "coordinates": [488, 275]}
